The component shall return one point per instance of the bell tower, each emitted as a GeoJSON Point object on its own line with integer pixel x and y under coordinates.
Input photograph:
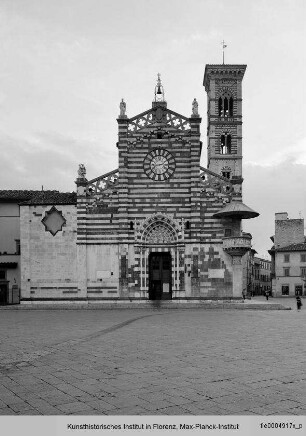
{"type": "Point", "coordinates": [223, 84]}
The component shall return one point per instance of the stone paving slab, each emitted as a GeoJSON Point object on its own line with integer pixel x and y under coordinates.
{"type": "Point", "coordinates": [153, 363]}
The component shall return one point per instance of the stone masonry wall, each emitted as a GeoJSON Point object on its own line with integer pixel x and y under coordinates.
{"type": "Point", "coordinates": [48, 263]}
{"type": "Point", "coordinates": [287, 232]}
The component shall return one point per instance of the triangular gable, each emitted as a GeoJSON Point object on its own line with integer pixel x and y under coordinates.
{"type": "Point", "coordinates": [158, 117]}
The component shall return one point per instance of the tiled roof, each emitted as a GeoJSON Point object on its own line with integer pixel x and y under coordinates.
{"type": "Point", "coordinates": [293, 247]}
{"type": "Point", "coordinates": [52, 197]}
{"type": "Point", "coordinates": [38, 197]}
{"type": "Point", "coordinates": [16, 195]}
{"type": "Point", "coordinates": [272, 249]}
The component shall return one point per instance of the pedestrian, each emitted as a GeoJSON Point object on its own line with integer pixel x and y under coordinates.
{"type": "Point", "coordinates": [267, 295]}
{"type": "Point", "coordinates": [243, 294]}
{"type": "Point", "coordinates": [299, 303]}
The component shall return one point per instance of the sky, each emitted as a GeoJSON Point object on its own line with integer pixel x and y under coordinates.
{"type": "Point", "coordinates": [66, 64]}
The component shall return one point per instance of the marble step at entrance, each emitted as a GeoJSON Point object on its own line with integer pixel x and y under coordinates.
{"type": "Point", "coordinates": [153, 305]}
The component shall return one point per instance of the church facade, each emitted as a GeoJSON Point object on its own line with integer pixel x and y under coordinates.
{"type": "Point", "coordinates": [160, 226]}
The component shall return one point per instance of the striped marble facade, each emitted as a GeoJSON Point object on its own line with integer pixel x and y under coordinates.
{"type": "Point", "coordinates": [178, 205]}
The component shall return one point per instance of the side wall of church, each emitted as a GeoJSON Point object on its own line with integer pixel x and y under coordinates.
{"type": "Point", "coordinates": [102, 271]}
{"type": "Point", "coordinates": [48, 263]}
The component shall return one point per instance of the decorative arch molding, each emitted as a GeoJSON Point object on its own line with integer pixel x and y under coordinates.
{"type": "Point", "coordinates": [159, 229]}
{"type": "Point", "coordinates": [229, 90]}
{"type": "Point", "coordinates": [222, 129]}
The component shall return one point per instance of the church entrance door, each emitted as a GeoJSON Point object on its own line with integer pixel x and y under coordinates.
{"type": "Point", "coordinates": [160, 276]}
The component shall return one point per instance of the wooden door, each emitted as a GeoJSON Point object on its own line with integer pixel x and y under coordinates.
{"type": "Point", "coordinates": [160, 276]}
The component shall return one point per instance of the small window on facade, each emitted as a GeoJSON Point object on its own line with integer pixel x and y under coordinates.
{"type": "Point", "coordinates": [286, 258]}
{"type": "Point", "coordinates": [285, 289]}
{"type": "Point", "coordinates": [131, 225]}
{"type": "Point", "coordinates": [226, 174]}
{"type": "Point", "coordinates": [187, 225]}
{"type": "Point", "coordinates": [225, 107]}
{"type": "Point", "coordinates": [226, 144]}
{"type": "Point", "coordinates": [286, 272]}
{"type": "Point", "coordinates": [159, 135]}
{"type": "Point", "coordinates": [229, 144]}
{"type": "Point", "coordinates": [303, 257]}
{"type": "Point", "coordinates": [303, 271]}
{"type": "Point", "coordinates": [222, 144]}
{"type": "Point", "coordinates": [2, 274]}
{"type": "Point", "coordinates": [231, 106]}
{"type": "Point", "coordinates": [220, 106]}
{"type": "Point", "coordinates": [227, 232]}
{"type": "Point", "coordinates": [17, 246]}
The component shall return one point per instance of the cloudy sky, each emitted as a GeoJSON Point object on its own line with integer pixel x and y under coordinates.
{"type": "Point", "coordinates": [66, 64]}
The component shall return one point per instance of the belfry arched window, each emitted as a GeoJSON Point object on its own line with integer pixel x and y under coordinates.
{"type": "Point", "coordinates": [220, 106]}
{"type": "Point", "coordinates": [226, 106]}
{"type": "Point", "coordinates": [231, 107]}
{"type": "Point", "coordinates": [226, 143]}
{"type": "Point", "coordinates": [226, 172]}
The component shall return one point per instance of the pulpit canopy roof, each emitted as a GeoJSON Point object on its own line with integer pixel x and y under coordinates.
{"type": "Point", "coordinates": [236, 209]}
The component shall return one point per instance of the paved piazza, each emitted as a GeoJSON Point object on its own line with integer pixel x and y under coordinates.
{"type": "Point", "coordinates": [153, 362]}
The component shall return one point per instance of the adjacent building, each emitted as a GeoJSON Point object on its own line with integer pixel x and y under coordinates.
{"type": "Point", "coordinates": [288, 256]}
{"type": "Point", "coordinates": [10, 246]}
{"type": "Point", "coordinates": [262, 281]}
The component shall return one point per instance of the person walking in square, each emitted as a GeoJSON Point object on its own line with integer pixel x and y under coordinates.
{"type": "Point", "coordinates": [299, 303]}
{"type": "Point", "coordinates": [267, 295]}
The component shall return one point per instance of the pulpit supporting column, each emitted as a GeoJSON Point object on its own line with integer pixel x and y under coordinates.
{"type": "Point", "coordinates": [236, 247]}
{"type": "Point", "coordinates": [237, 276]}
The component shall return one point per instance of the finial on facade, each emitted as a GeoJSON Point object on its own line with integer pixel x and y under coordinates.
{"type": "Point", "coordinates": [223, 47]}
{"type": "Point", "coordinates": [122, 107]}
{"type": "Point", "coordinates": [82, 171]}
{"type": "Point", "coordinates": [159, 90]}
{"type": "Point", "coordinates": [195, 108]}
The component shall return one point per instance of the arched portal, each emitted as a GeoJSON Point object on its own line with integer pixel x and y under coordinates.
{"type": "Point", "coordinates": [159, 238]}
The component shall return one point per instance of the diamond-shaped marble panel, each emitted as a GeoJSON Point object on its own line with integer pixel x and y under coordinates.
{"type": "Point", "coordinates": [53, 221]}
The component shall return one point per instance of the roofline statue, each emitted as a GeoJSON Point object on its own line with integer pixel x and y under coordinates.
{"type": "Point", "coordinates": [195, 108]}
{"type": "Point", "coordinates": [82, 171]}
{"type": "Point", "coordinates": [122, 107]}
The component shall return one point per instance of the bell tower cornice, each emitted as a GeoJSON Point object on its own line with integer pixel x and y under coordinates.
{"type": "Point", "coordinates": [223, 71]}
